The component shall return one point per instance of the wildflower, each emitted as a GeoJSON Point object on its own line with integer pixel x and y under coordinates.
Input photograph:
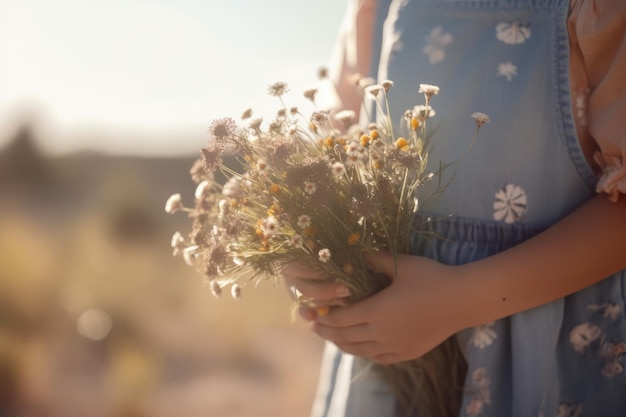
{"type": "Point", "coordinates": [354, 238]}
{"type": "Point", "coordinates": [246, 114]}
{"type": "Point", "coordinates": [374, 134]}
{"type": "Point", "coordinates": [319, 116]}
{"type": "Point", "coordinates": [202, 190]}
{"type": "Point", "coordinates": [212, 156]}
{"type": "Point", "coordinates": [480, 118]}
{"type": "Point", "coordinates": [423, 112]}
{"type": "Point", "coordinates": [173, 204]}
{"type": "Point", "coordinates": [261, 166]}
{"type": "Point", "coordinates": [428, 90]}
{"type": "Point", "coordinates": [328, 142]}
{"type": "Point", "coordinates": [235, 291]}
{"type": "Point", "coordinates": [296, 241]}
{"type": "Point", "coordinates": [232, 187]}
{"type": "Point", "coordinates": [374, 89]}
{"type": "Point", "coordinates": [310, 94]}
{"type": "Point", "coordinates": [347, 268]}
{"type": "Point", "coordinates": [345, 116]}
{"type": "Point", "coordinates": [277, 89]}
{"type": "Point", "coordinates": [415, 123]}
{"type": "Point", "coordinates": [222, 129]}
{"type": "Point", "coordinates": [387, 84]}
{"type": "Point", "coordinates": [324, 255]}
{"type": "Point", "coordinates": [365, 139]}
{"type": "Point", "coordinates": [215, 288]}
{"type": "Point", "coordinates": [310, 187]}
{"type": "Point", "coordinates": [270, 226]}
{"type": "Point", "coordinates": [402, 143]}
{"type": "Point", "coordinates": [178, 243]}
{"type": "Point", "coordinates": [189, 254]}
{"type": "Point", "coordinates": [338, 169]}
{"type": "Point", "coordinates": [256, 124]}
{"type": "Point", "coordinates": [274, 188]}
{"type": "Point", "coordinates": [304, 221]}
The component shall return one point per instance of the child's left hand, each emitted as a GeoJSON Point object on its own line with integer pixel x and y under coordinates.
{"type": "Point", "coordinates": [420, 309]}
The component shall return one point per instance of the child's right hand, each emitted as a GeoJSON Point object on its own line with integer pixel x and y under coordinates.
{"type": "Point", "coordinates": [311, 285]}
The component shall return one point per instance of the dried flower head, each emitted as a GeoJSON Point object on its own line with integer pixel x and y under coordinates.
{"type": "Point", "coordinates": [247, 113]}
{"type": "Point", "coordinates": [480, 118]}
{"type": "Point", "coordinates": [346, 117]}
{"type": "Point", "coordinates": [310, 94]}
{"type": "Point", "coordinates": [278, 89]}
{"type": "Point", "coordinates": [304, 221]}
{"type": "Point", "coordinates": [222, 129]}
{"type": "Point", "coordinates": [235, 291]}
{"type": "Point", "coordinates": [428, 90]}
{"type": "Point", "coordinates": [324, 255]}
{"type": "Point", "coordinates": [374, 90]}
{"type": "Point", "coordinates": [322, 73]}
{"type": "Point", "coordinates": [173, 204]}
{"type": "Point", "coordinates": [216, 288]}
{"type": "Point", "coordinates": [387, 84]}
{"type": "Point", "coordinates": [202, 190]}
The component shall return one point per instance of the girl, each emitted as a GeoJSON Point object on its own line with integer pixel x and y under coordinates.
{"type": "Point", "coordinates": [529, 279]}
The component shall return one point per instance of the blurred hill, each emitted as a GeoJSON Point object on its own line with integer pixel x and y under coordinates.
{"type": "Point", "coordinates": [97, 318]}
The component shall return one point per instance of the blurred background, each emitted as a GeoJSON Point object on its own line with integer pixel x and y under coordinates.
{"type": "Point", "coordinates": [104, 106]}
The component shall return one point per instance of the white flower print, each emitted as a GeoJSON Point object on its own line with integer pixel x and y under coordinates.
{"type": "Point", "coordinates": [483, 335]}
{"type": "Point", "coordinates": [510, 204]}
{"type": "Point", "coordinates": [610, 310]}
{"type": "Point", "coordinates": [481, 394]}
{"type": "Point", "coordinates": [436, 41]}
{"type": "Point", "coordinates": [566, 410]}
{"type": "Point", "coordinates": [512, 33]}
{"type": "Point", "coordinates": [475, 407]}
{"type": "Point", "coordinates": [507, 70]}
{"type": "Point", "coordinates": [584, 335]}
{"type": "Point", "coordinates": [612, 368]}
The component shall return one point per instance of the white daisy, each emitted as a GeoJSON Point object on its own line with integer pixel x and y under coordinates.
{"type": "Point", "coordinates": [232, 186]}
{"type": "Point", "coordinates": [324, 255]}
{"type": "Point", "coordinates": [296, 241]}
{"type": "Point", "coordinates": [304, 221]}
{"type": "Point", "coordinates": [270, 226]}
{"type": "Point", "coordinates": [512, 33]}
{"type": "Point", "coordinates": [510, 204]}
{"type": "Point", "coordinates": [428, 90]}
{"type": "Point", "coordinates": [480, 118]}
{"type": "Point", "coordinates": [338, 169]}
{"type": "Point", "coordinates": [310, 187]}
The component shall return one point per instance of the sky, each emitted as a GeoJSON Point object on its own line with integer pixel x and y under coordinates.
{"type": "Point", "coordinates": [144, 77]}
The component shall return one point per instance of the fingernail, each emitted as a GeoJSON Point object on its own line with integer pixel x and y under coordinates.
{"type": "Point", "coordinates": [343, 291]}
{"type": "Point", "coordinates": [322, 311]}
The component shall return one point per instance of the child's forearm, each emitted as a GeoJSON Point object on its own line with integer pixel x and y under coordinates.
{"type": "Point", "coordinates": [585, 247]}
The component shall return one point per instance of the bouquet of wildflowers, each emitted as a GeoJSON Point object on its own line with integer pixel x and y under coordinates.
{"type": "Point", "coordinates": [316, 189]}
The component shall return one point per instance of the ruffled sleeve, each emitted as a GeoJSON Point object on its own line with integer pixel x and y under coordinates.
{"type": "Point", "coordinates": [598, 65]}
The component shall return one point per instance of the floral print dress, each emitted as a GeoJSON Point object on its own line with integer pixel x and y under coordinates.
{"type": "Point", "coordinates": [532, 165]}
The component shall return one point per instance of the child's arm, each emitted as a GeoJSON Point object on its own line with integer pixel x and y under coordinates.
{"type": "Point", "coordinates": [428, 301]}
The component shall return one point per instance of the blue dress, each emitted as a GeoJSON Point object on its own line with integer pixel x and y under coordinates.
{"type": "Point", "coordinates": [508, 59]}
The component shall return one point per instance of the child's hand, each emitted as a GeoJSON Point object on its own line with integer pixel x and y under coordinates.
{"type": "Point", "coordinates": [419, 310]}
{"type": "Point", "coordinates": [309, 284]}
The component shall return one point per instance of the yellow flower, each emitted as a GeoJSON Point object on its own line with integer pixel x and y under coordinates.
{"type": "Point", "coordinates": [402, 143]}
{"type": "Point", "coordinates": [365, 139]}
{"type": "Point", "coordinates": [313, 127]}
{"type": "Point", "coordinates": [274, 188]}
{"type": "Point", "coordinates": [374, 134]}
{"type": "Point", "coordinates": [415, 123]}
{"type": "Point", "coordinates": [341, 141]}
{"type": "Point", "coordinates": [328, 142]}
{"type": "Point", "coordinates": [354, 238]}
